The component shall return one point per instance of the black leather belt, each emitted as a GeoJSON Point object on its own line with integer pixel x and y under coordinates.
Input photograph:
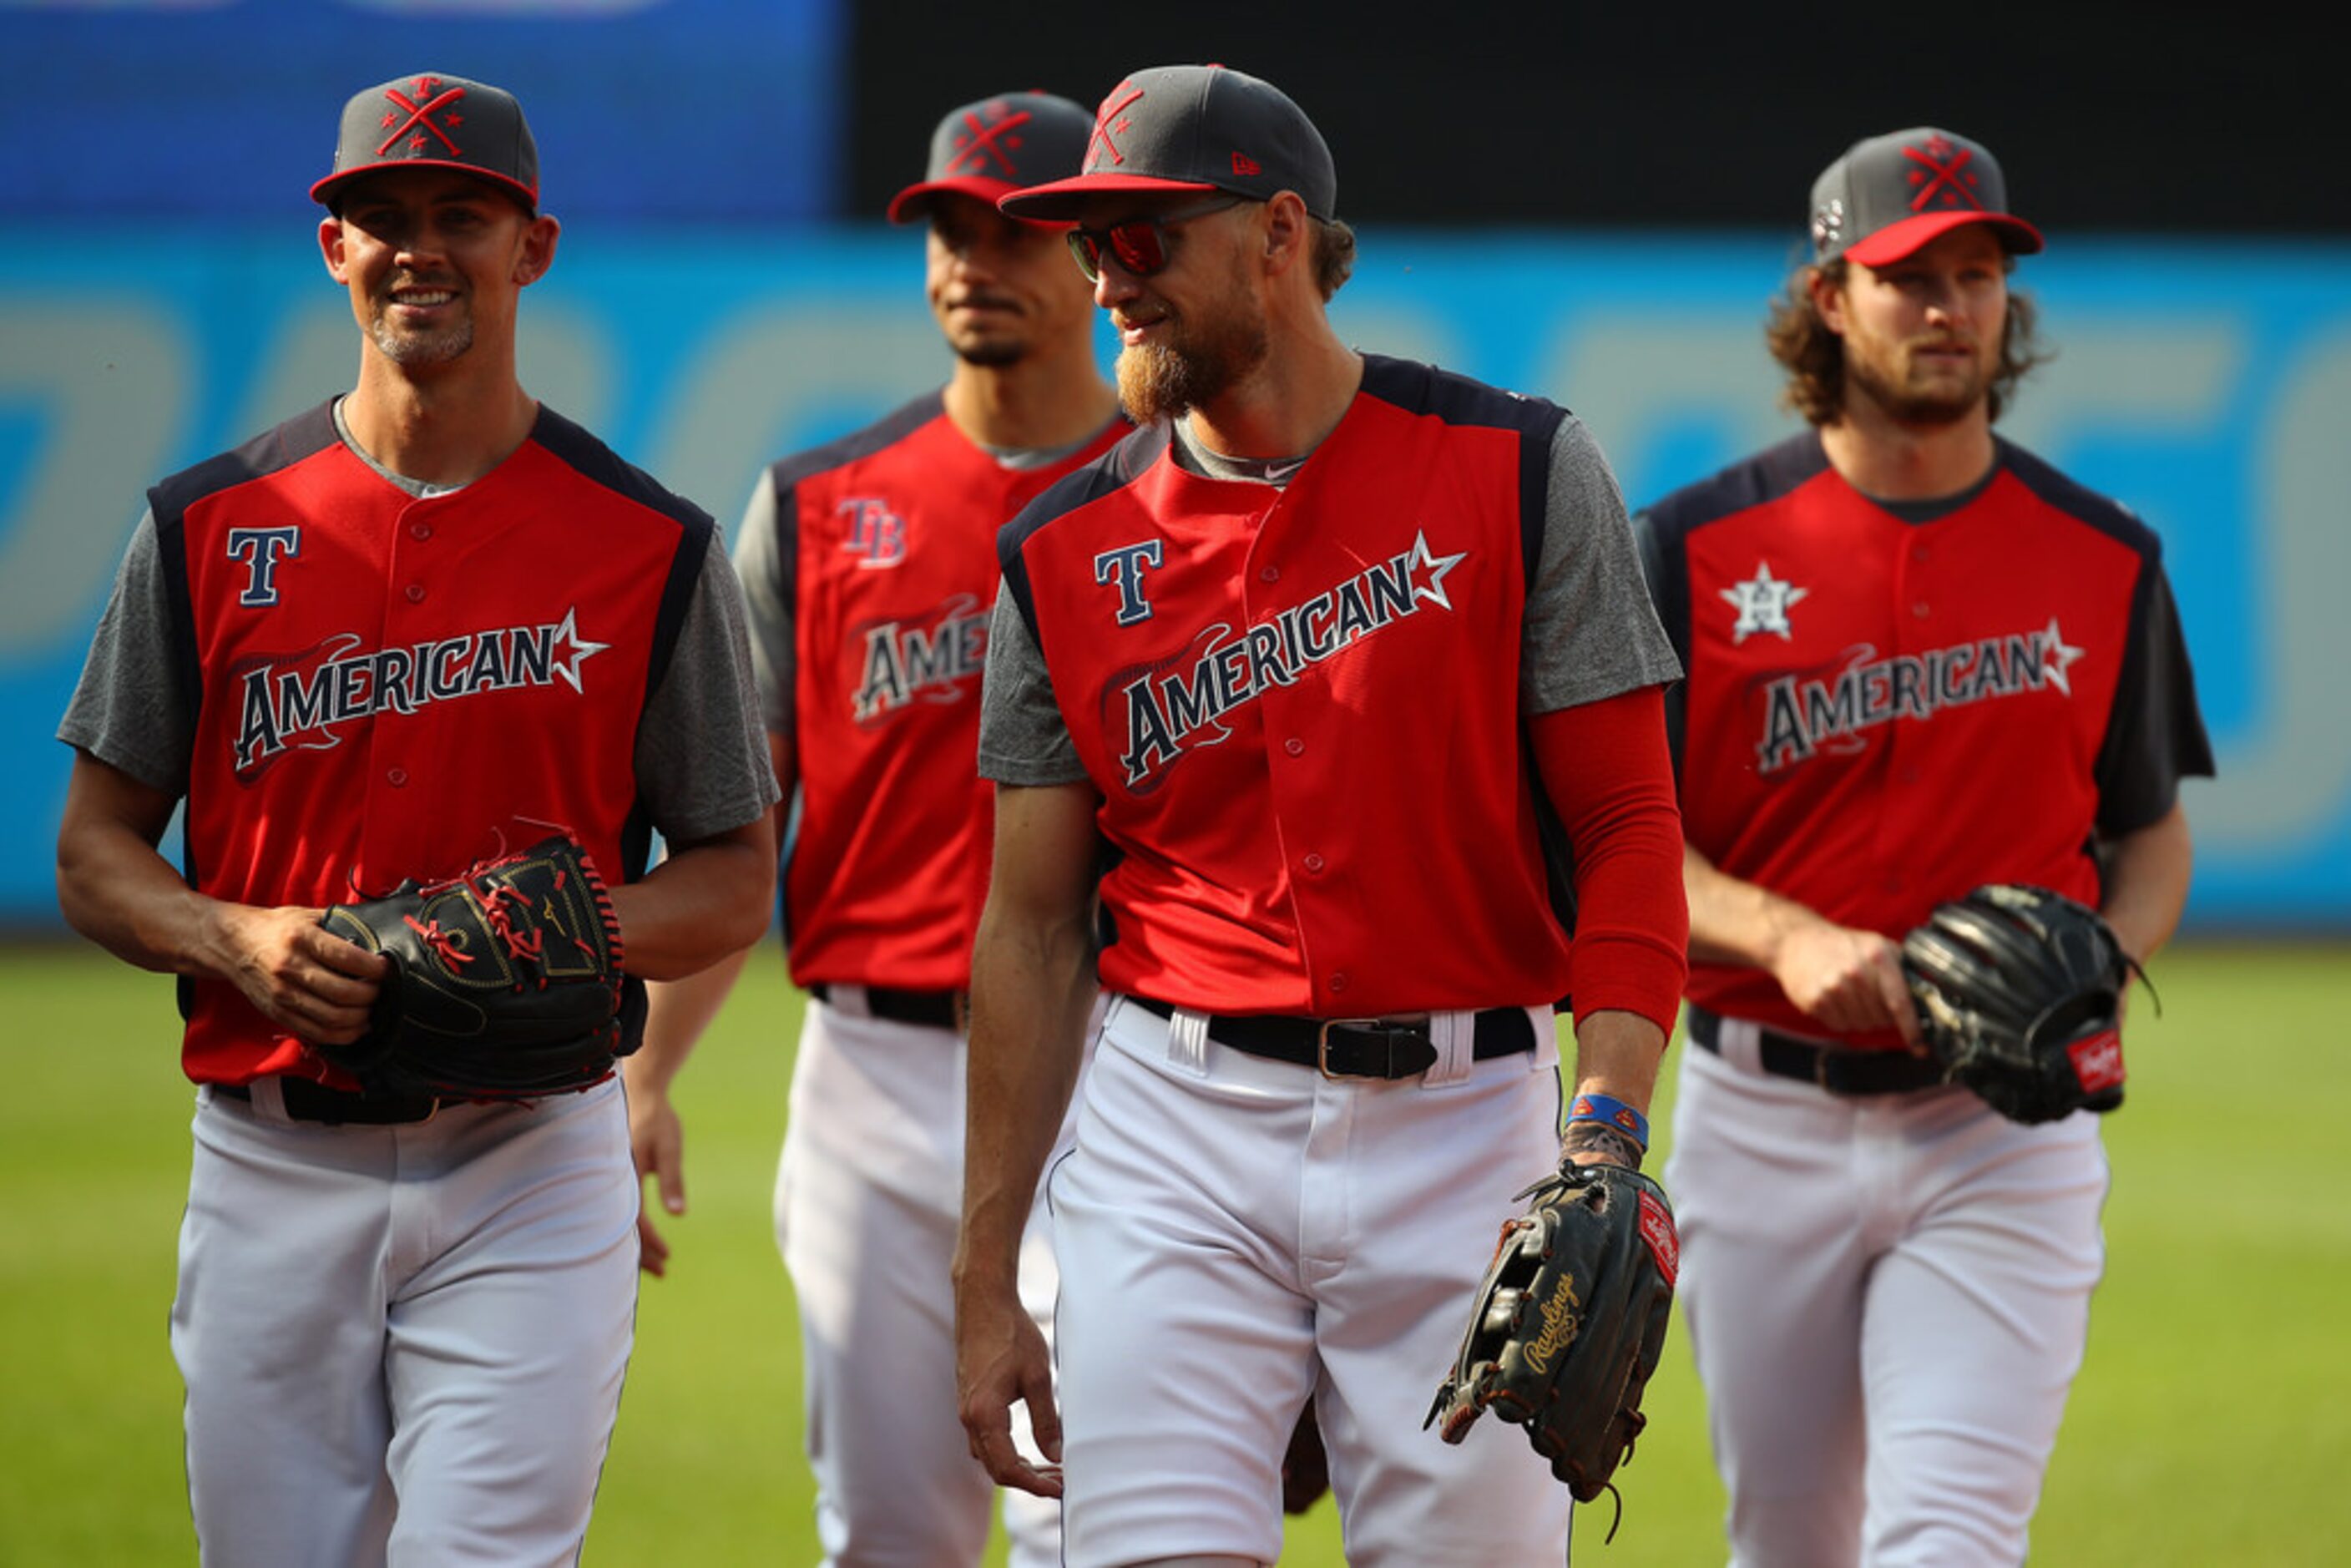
{"type": "Point", "coordinates": [1357, 1048]}
{"type": "Point", "coordinates": [1838, 1071]}
{"type": "Point", "coordinates": [309, 1100]}
{"type": "Point", "coordinates": [936, 1009]}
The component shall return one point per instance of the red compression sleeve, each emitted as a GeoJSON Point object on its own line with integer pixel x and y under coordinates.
{"type": "Point", "coordinates": [1610, 776]}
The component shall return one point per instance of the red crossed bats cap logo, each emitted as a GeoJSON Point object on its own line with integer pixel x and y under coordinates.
{"type": "Point", "coordinates": [1110, 120]}
{"type": "Point", "coordinates": [1943, 172]}
{"type": "Point", "coordinates": [978, 140]}
{"type": "Point", "coordinates": [431, 99]}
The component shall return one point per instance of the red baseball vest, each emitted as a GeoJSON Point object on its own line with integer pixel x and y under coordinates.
{"type": "Point", "coordinates": [1300, 707]}
{"type": "Point", "coordinates": [1881, 715]}
{"type": "Point", "coordinates": [891, 534]}
{"type": "Point", "coordinates": [385, 685]}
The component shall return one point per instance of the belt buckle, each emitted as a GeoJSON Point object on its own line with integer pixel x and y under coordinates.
{"type": "Point", "coordinates": [1323, 1044]}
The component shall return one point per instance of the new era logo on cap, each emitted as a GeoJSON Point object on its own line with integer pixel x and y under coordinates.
{"type": "Point", "coordinates": [439, 121]}
{"type": "Point", "coordinates": [1888, 195]}
{"type": "Point", "coordinates": [1194, 128]}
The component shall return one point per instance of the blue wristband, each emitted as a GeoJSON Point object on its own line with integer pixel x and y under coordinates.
{"type": "Point", "coordinates": [1609, 1111]}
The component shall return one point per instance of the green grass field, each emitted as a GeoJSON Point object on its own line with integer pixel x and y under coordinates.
{"type": "Point", "coordinates": [2211, 1425]}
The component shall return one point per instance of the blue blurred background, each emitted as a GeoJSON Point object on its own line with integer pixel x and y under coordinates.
{"type": "Point", "coordinates": [1577, 203]}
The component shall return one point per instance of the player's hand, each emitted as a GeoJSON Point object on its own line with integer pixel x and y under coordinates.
{"type": "Point", "coordinates": [1850, 980]}
{"type": "Point", "coordinates": [303, 977]}
{"type": "Point", "coordinates": [1000, 1358]}
{"type": "Point", "coordinates": [657, 1144]}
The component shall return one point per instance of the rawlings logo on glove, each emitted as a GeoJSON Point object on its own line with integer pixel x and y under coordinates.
{"type": "Point", "coordinates": [2019, 992]}
{"type": "Point", "coordinates": [1566, 1328]}
{"type": "Point", "coordinates": [504, 982]}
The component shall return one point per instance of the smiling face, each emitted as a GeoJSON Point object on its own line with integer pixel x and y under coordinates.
{"type": "Point", "coordinates": [1922, 336]}
{"type": "Point", "coordinates": [435, 261]}
{"type": "Point", "coordinates": [998, 287]}
{"type": "Point", "coordinates": [1194, 329]}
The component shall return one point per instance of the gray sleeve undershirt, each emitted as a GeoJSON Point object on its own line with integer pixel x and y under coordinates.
{"type": "Point", "coordinates": [1023, 738]}
{"type": "Point", "coordinates": [767, 606]}
{"type": "Point", "coordinates": [128, 711]}
{"type": "Point", "coordinates": [702, 764]}
{"type": "Point", "coordinates": [1591, 630]}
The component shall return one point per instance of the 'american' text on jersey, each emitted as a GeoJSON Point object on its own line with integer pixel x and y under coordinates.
{"type": "Point", "coordinates": [288, 697]}
{"type": "Point", "coordinates": [1802, 713]}
{"type": "Point", "coordinates": [1166, 712]}
{"type": "Point", "coordinates": [902, 662]}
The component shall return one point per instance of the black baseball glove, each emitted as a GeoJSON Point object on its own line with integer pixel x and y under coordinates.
{"type": "Point", "coordinates": [505, 981]}
{"type": "Point", "coordinates": [1568, 1324]}
{"type": "Point", "coordinates": [2019, 992]}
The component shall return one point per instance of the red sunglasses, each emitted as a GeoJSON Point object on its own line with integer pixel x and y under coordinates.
{"type": "Point", "coordinates": [1139, 245]}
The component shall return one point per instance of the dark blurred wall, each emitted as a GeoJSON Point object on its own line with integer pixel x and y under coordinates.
{"type": "Point", "coordinates": [2105, 117]}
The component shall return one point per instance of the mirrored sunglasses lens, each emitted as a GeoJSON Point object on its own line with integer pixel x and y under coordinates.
{"type": "Point", "coordinates": [1136, 245]}
{"type": "Point", "coordinates": [1087, 248]}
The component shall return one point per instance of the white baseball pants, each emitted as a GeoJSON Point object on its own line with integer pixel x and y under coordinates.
{"type": "Point", "coordinates": [403, 1345]}
{"type": "Point", "coordinates": [1238, 1236]}
{"type": "Point", "coordinates": [1888, 1297]}
{"type": "Point", "coordinates": [868, 1198]}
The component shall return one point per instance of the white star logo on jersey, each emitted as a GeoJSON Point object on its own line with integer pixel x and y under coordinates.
{"type": "Point", "coordinates": [1438, 565]}
{"type": "Point", "coordinates": [566, 635]}
{"type": "Point", "coordinates": [1762, 604]}
{"type": "Point", "coordinates": [2058, 659]}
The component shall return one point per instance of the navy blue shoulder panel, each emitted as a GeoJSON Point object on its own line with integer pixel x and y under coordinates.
{"type": "Point", "coordinates": [1456, 398]}
{"type": "Point", "coordinates": [302, 436]}
{"type": "Point", "coordinates": [1122, 465]}
{"type": "Point", "coordinates": [885, 431]}
{"type": "Point", "coordinates": [590, 457]}
{"type": "Point", "coordinates": [1765, 477]}
{"type": "Point", "coordinates": [2078, 501]}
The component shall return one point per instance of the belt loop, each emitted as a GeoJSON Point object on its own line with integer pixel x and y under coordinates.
{"type": "Point", "coordinates": [848, 1000]}
{"type": "Point", "coordinates": [1455, 1036]}
{"type": "Point", "coordinates": [269, 1099]}
{"type": "Point", "coordinates": [1739, 1042]}
{"type": "Point", "coordinates": [1544, 1021]}
{"type": "Point", "coordinates": [1187, 1042]}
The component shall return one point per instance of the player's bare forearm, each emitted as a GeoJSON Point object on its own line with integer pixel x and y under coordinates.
{"type": "Point", "coordinates": [1032, 987]}
{"type": "Point", "coordinates": [2147, 875]}
{"type": "Point", "coordinates": [708, 900]}
{"type": "Point", "coordinates": [1849, 980]}
{"type": "Point", "coordinates": [1616, 1053]}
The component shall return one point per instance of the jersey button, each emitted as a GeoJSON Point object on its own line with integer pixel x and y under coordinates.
{"type": "Point", "coordinates": [1270, 574]}
{"type": "Point", "coordinates": [397, 777]}
{"type": "Point", "coordinates": [1295, 746]}
{"type": "Point", "coordinates": [1313, 864]}
{"type": "Point", "coordinates": [415, 592]}
{"type": "Point", "coordinates": [419, 530]}
{"type": "Point", "coordinates": [1920, 609]}
{"type": "Point", "coordinates": [1338, 982]}
{"type": "Point", "coordinates": [1920, 552]}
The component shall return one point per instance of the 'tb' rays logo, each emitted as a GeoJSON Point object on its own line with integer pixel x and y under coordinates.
{"type": "Point", "coordinates": [875, 532]}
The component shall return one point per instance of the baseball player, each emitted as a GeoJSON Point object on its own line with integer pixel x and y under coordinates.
{"type": "Point", "coordinates": [403, 1320]}
{"type": "Point", "coordinates": [1311, 658]}
{"type": "Point", "coordinates": [869, 567]}
{"type": "Point", "coordinates": [1884, 618]}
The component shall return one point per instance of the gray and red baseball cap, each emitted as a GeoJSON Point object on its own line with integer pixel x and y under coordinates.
{"type": "Point", "coordinates": [1888, 195]}
{"type": "Point", "coordinates": [995, 146]}
{"type": "Point", "coordinates": [435, 120]}
{"type": "Point", "coordinates": [1193, 128]}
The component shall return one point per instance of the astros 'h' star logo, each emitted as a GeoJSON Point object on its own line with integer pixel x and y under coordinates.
{"type": "Point", "coordinates": [1102, 150]}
